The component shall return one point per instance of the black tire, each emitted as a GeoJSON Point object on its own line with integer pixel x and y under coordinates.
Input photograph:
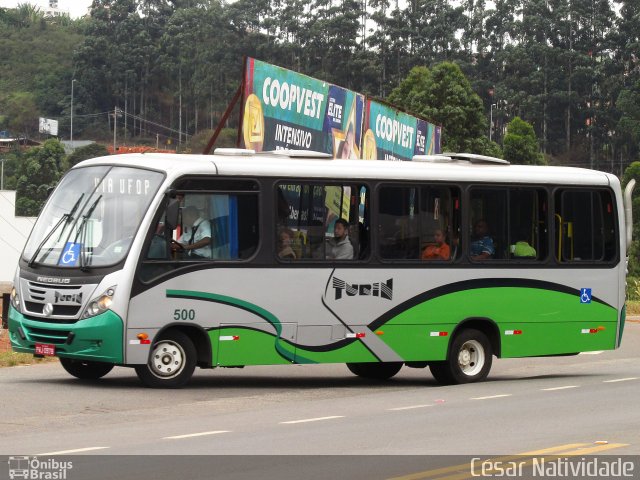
{"type": "Point", "coordinates": [375, 370]}
{"type": "Point", "coordinates": [86, 370]}
{"type": "Point", "coordinates": [469, 359]}
{"type": "Point", "coordinates": [171, 363]}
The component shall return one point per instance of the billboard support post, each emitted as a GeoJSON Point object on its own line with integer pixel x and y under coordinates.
{"type": "Point", "coordinates": [223, 120]}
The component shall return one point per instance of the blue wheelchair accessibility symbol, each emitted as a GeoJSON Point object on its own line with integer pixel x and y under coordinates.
{"type": "Point", "coordinates": [585, 295]}
{"type": "Point", "coordinates": [70, 254]}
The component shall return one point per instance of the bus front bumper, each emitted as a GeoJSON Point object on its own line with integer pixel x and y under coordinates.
{"type": "Point", "coordinates": [97, 338]}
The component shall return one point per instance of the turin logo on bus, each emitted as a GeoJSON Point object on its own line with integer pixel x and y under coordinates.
{"type": "Point", "coordinates": [377, 289]}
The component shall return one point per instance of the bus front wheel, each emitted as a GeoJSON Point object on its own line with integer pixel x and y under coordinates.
{"type": "Point", "coordinates": [86, 370]}
{"type": "Point", "coordinates": [171, 363]}
{"type": "Point", "coordinates": [375, 370]}
{"type": "Point", "coordinates": [469, 359]}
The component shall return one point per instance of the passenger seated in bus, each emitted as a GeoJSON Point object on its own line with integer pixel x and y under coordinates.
{"type": "Point", "coordinates": [339, 247]}
{"type": "Point", "coordinates": [195, 241]}
{"type": "Point", "coordinates": [481, 246]}
{"type": "Point", "coordinates": [522, 248]}
{"type": "Point", "coordinates": [440, 250]}
{"type": "Point", "coordinates": [285, 240]}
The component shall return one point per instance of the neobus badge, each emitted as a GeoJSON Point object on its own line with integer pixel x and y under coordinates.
{"type": "Point", "coordinates": [377, 289]}
{"type": "Point", "coordinates": [54, 280]}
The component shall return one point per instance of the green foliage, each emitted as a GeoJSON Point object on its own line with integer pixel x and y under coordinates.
{"type": "Point", "coordinates": [37, 53]}
{"type": "Point", "coordinates": [38, 172]}
{"type": "Point", "coordinates": [226, 139]}
{"type": "Point", "coordinates": [632, 172]}
{"type": "Point", "coordinates": [83, 153]}
{"type": "Point", "coordinates": [567, 68]}
{"type": "Point", "coordinates": [521, 145]}
{"type": "Point", "coordinates": [444, 96]}
{"type": "Point", "coordinates": [11, 162]}
{"type": "Point", "coordinates": [20, 113]}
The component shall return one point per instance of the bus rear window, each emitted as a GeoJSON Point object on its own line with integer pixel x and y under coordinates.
{"type": "Point", "coordinates": [585, 226]}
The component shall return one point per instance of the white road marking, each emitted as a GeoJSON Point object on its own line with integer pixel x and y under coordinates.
{"type": "Point", "coordinates": [492, 396]}
{"type": "Point", "coordinates": [410, 407]}
{"type": "Point", "coordinates": [66, 452]}
{"type": "Point", "coordinates": [592, 353]}
{"type": "Point", "coordinates": [559, 388]}
{"type": "Point", "coordinates": [620, 380]}
{"type": "Point", "coordinates": [200, 434]}
{"type": "Point", "coordinates": [319, 419]}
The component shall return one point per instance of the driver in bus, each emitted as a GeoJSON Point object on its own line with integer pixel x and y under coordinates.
{"type": "Point", "coordinates": [195, 240]}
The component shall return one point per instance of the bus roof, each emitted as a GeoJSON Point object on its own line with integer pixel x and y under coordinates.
{"type": "Point", "coordinates": [277, 165]}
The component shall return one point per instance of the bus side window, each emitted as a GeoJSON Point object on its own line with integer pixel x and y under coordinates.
{"type": "Point", "coordinates": [585, 226]}
{"type": "Point", "coordinates": [306, 219]}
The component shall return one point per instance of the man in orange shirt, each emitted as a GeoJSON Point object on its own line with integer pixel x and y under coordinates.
{"type": "Point", "coordinates": [439, 251]}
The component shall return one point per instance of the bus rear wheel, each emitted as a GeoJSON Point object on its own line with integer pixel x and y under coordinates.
{"type": "Point", "coordinates": [469, 359]}
{"type": "Point", "coordinates": [86, 370]}
{"type": "Point", "coordinates": [171, 363]}
{"type": "Point", "coordinates": [375, 370]}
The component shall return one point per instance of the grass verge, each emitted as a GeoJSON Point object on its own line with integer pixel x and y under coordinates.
{"type": "Point", "coordinates": [633, 307]}
{"type": "Point", "coordinates": [11, 359]}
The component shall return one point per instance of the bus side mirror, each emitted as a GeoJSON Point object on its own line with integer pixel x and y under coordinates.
{"type": "Point", "coordinates": [173, 209]}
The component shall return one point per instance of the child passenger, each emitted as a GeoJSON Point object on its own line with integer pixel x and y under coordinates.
{"type": "Point", "coordinates": [439, 251]}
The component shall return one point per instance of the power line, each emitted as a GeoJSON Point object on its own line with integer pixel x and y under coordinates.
{"type": "Point", "coordinates": [9, 245]}
{"type": "Point", "coordinates": [128, 115]}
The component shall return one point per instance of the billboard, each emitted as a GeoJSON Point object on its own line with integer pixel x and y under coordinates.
{"type": "Point", "coordinates": [286, 110]}
{"type": "Point", "coordinates": [283, 109]}
{"type": "Point", "coordinates": [394, 135]}
{"type": "Point", "coordinates": [48, 126]}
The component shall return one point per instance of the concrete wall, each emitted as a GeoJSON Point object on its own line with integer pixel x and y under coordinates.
{"type": "Point", "coordinates": [14, 232]}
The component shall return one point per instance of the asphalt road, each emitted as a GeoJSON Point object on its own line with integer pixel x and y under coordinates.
{"type": "Point", "coordinates": [585, 404]}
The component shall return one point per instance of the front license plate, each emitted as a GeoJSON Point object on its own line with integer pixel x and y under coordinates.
{"type": "Point", "coordinates": [45, 349]}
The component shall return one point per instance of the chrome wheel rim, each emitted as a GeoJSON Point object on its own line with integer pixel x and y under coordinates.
{"type": "Point", "coordinates": [471, 358]}
{"type": "Point", "coordinates": [167, 359]}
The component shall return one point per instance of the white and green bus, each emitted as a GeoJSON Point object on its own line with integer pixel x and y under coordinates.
{"type": "Point", "coordinates": [166, 262]}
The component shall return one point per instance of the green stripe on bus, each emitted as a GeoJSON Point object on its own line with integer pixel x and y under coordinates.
{"type": "Point", "coordinates": [550, 322]}
{"type": "Point", "coordinates": [283, 348]}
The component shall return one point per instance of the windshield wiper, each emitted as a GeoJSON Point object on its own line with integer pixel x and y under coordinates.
{"type": "Point", "coordinates": [81, 232]}
{"type": "Point", "coordinates": [66, 218]}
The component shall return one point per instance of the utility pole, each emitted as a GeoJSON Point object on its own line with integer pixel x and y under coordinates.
{"type": "Point", "coordinates": [115, 123]}
{"type": "Point", "coordinates": [71, 136]}
{"type": "Point", "coordinates": [491, 120]}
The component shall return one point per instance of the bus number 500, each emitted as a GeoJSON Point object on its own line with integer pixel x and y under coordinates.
{"type": "Point", "coordinates": [184, 314]}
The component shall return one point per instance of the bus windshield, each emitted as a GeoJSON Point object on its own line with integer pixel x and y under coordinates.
{"type": "Point", "coordinates": [92, 217]}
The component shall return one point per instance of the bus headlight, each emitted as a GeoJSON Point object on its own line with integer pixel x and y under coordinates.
{"type": "Point", "coordinates": [100, 304]}
{"type": "Point", "coordinates": [15, 299]}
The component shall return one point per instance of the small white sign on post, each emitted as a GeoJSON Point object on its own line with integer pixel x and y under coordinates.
{"type": "Point", "coordinates": [48, 126]}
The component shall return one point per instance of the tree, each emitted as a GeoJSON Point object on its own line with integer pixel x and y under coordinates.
{"type": "Point", "coordinates": [633, 172]}
{"type": "Point", "coordinates": [628, 104]}
{"type": "Point", "coordinates": [83, 153]}
{"type": "Point", "coordinates": [39, 171]}
{"type": "Point", "coordinates": [521, 145]}
{"type": "Point", "coordinates": [20, 113]}
{"type": "Point", "coordinates": [445, 97]}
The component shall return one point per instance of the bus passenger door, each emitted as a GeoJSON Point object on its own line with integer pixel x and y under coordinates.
{"type": "Point", "coordinates": [256, 344]}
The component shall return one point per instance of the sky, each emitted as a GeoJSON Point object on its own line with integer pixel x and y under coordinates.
{"type": "Point", "coordinates": [75, 8]}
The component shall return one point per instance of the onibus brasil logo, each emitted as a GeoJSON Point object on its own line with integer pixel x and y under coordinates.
{"type": "Point", "coordinates": [32, 468]}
